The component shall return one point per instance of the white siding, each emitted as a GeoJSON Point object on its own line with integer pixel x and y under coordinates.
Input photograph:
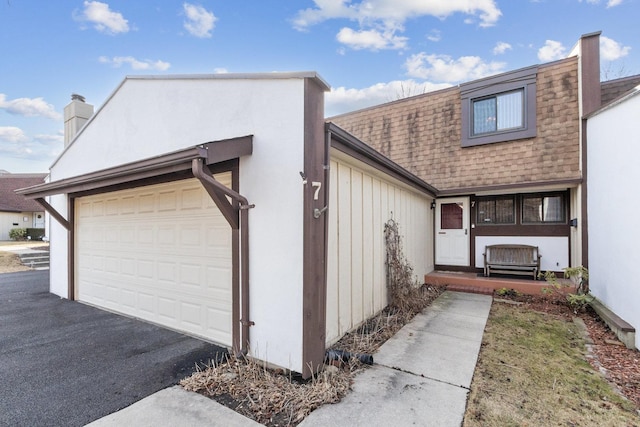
{"type": "Point", "coordinates": [361, 201]}
{"type": "Point", "coordinates": [554, 250]}
{"type": "Point", "coordinates": [613, 148]}
{"type": "Point", "coordinates": [8, 219]}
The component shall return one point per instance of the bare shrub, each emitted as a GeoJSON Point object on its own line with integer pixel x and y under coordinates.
{"type": "Point", "coordinates": [404, 290]}
{"type": "Point", "coordinates": [270, 397]}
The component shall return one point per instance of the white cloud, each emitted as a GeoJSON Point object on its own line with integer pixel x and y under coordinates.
{"type": "Point", "coordinates": [371, 39]}
{"type": "Point", "coordinates": [434, 36]}
{"type": "Point", "coordinates": [12, 134]}
{"type": "Point", "coordinates": [136, 64]}
{"type": "Point", "coordinates": [15, 144]}
{"type": "Point", "coordinates": [341, 100]}
{"type": "Point", "coordinates": [551, 51]}
{"type": "Point", "coordinates": [501, 47]}
{"type": "Point", "coordinates": [396, 11]}
{"type": "Point", "coordinates": [326, 9]}
{"type": "Point", "coordinates": [220, 70]}
{"type": "Point", "coordinates": [443, 68]}
{"type": "Point", "coordinates": [103, 18]}
{"type": "Point", "coordinates": [386, 17]}
{"type": "Point", "coordinates": [610, 50]}
{"type": "Point", "coordinates": [29, 107]}
{"type": "Point", "coordinates": [200, 22]}
{"type": "Point", "coordinates": [610, 3]}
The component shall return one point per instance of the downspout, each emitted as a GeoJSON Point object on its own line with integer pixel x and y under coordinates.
{"type": "Point", "coordinates": [241, 204]}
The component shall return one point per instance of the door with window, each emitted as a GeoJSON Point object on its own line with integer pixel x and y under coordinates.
{"type": "Point", "coordinates": [452, 231]}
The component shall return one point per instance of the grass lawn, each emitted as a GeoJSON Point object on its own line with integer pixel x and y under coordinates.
{"type": "Point", "coordinates": [532, 371]}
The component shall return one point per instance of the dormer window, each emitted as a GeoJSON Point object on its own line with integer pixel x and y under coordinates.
{"type": "Point", "coordinates": [500, 108]}
{"type": "Point", "coordinates": [498, 113]}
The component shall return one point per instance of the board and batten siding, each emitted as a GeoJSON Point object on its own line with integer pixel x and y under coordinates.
{"type": "Point", "coordinates": [361, 200]}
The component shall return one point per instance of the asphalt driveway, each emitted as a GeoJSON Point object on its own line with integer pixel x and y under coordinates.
{"type": "Point", "coordinates": [64, 363]}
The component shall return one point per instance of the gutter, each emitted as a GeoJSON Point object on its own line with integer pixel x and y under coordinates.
{"type": "Point", "coordinates": [238, 206]}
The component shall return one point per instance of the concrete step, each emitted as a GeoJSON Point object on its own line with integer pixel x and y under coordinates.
{"type": "Point", "coordinates": [36, 264]}
{"type": "Point", "coordinates": [38, 259]}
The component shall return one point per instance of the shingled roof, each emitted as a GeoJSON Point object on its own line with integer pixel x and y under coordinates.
{"type": "Point", "coordinates": [12, 202]}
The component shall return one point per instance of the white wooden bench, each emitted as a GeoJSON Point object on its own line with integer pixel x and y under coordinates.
{"type": "Point", "coordinates": [512, 259]}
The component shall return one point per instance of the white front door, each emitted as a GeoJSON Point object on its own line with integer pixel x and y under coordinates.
{"type": "Point", "coordinates": [452, 231]}
{"type": "Point", "coordinates": [38, 220]}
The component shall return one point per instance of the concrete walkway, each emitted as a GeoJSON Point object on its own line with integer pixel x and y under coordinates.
{"type": "Point", "coordinates": [421, 376]}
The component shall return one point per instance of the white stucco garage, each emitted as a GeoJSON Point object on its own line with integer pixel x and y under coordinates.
{"type": "Point", "coordinates": [223, 206]}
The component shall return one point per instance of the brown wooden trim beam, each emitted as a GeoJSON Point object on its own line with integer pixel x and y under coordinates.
{"type": "Point", "coordinates": [241, 206]}
{"type": "Point", "coordinates": [213, 152]}
{"type": "Point", "coordinates": [54, 213]}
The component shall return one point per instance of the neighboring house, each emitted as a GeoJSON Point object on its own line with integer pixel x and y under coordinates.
{"type": "Point", "coordinates": [505, 154]}
{"type": "Point", "coordinates": [613, 135]}
{"type": "Point", "coordinates": [16, 211]}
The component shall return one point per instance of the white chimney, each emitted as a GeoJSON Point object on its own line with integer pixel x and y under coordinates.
{"type": "Point", "coordinates": [76, 114]}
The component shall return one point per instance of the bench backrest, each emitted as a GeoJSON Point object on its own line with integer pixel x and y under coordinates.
{"type": "Point", "coordinates": [511, 254]}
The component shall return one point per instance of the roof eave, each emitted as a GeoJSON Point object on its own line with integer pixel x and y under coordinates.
{"type": "Point", "coordinates": [211, 152]}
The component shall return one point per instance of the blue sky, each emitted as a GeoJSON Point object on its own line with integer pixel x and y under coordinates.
{"type": "Point", "coordinates": [370, 52]}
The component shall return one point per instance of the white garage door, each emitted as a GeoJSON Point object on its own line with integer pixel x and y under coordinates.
{"type": "Point", "coordinates": [161, 253]}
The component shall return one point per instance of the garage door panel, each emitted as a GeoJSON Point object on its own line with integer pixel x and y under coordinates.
{"type": "Point", "coordinates": [161, 253]}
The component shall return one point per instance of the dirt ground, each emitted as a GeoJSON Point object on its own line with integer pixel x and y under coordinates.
{"type": "Point", "coordinates": [10, 262]}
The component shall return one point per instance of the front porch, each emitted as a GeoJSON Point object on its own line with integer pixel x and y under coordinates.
{"type": "Point", "coordinates": [472, 282]}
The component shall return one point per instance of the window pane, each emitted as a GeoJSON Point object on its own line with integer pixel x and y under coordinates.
{"type": "Point", "coordinates": [509, 110]}
{"type": "Point", "coordinates": [484, 116]}
{"type": "Point", "coordinates": [532, 209]}
{"type": "Point", "coordinates": [496, 211]}
{"type": "Point", "coordinates": [543, 208]}
{"type": "Point", "coordinates": [504, 211]}
{"type": "Point", "coordinates": [451, 216]}
{"type": "Point", "coordinates": [552, 209]}
{"type": "Point", "coordinates": [486, 211]}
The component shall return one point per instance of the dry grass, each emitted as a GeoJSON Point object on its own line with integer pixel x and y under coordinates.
{"type": "Point", "coordinates": [532, 371]}
{"type": "Point", "coordinates": [10, 263]}
{"type": "Point", "coordinates": [268, 396]}
{"type": "Point", "coordinates": [372, 334]}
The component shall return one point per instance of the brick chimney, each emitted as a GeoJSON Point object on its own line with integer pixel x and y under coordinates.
{"type": "Point", "coordinates": [76, 114]}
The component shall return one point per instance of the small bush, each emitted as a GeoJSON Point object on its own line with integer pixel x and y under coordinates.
{"type": "Point", "coordinates": [578, 302]}
{"type": "Point", "coordinates": [504, 292]}
{"type": "Point", "coordinates": [580, 278]}
{"type": "Point", "coordinates": [18, 233]}
{"type": "Point", "coordinates": [35, 233]}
